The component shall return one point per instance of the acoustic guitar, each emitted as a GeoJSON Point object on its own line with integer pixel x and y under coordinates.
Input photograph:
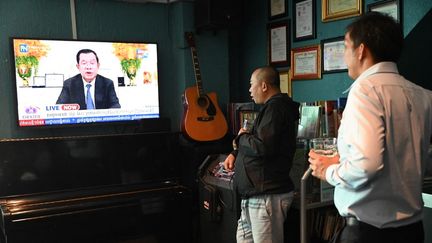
{"type": "Point", "coordinates": [203, 120]}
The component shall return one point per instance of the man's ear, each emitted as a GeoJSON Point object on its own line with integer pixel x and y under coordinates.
{"type": "Point", "coordinates": [264, 86]}
{"type": "Point", "coordinates": [361, 51]}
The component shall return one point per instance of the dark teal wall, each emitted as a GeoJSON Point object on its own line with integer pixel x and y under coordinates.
{"type": "Point", "coordinates": [109, 20]}
{"type": "Point", "coordinates": [227, 57]}
{"type": "Point", "coordinates": [330, 86]}
{"type": "Point", "coordinates": [27, 19]}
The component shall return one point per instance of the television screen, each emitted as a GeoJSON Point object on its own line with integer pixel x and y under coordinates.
{"type": "Point", "coordinates": [73, 82]}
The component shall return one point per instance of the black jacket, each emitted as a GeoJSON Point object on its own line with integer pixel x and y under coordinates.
{"type": "Point", "coordinates": [73, 93]}
{"type": "Point", "coordinates": [264, 156]}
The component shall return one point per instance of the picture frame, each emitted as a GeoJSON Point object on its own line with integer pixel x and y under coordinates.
{"type": "Point", "coordinates": [54, 80]}
{"type": "Point", "coordinates": [249, 115]}
{"type": "Point", "coordinates": [279, 43]}
{"type": "Point", "coordinates": [277, 9]}
{"type": "Point", "coordinates": [333, 55]}
{"type": "Point", "coordinates": [389, 7]}
{"type": "Point", "coordinates": [340, 9]}
{"type": "Point", "coordinates": [306, 62]}
{"type": "Point", "coordinates": [304, 19]}
{"type": "Point", "coordinates": [285, 82]}
{"type": "Point", "coordinates": [38, 81]}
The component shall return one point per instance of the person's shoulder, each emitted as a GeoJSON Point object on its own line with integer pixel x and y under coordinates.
{"type": "Point", "coordinates": [72, 79]}
{"type": "Point", "coordinates": [282, 102]}
{"type": "Point", "coordinates": [417, 88]}
{"type": "Point", "coordinates": [282, 98]}
{"type": "Point", "coordinates": [104, 79]}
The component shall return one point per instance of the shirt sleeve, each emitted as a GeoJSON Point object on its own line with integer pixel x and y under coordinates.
{"type": "Point", "coordinates": [361, 140]}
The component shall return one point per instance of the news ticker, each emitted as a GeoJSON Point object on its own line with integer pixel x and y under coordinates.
{"type": "Point", "coordinates": [82, 120]}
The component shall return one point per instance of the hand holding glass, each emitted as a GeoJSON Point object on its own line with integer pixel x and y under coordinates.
{"type": "Point", "coordinates": [246, 127]}
{"type": "Point", "coordinates": [323, 146]}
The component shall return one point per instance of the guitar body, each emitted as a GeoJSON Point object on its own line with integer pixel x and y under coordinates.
{"type": "Point", "coordinates": [203, 119]}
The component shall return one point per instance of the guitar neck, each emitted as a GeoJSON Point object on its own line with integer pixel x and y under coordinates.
{"type": "Point", "coordinates": [197, 72]}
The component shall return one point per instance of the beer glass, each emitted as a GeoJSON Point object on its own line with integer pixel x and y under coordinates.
{"type": "Point", "coordinates": [324, 146]}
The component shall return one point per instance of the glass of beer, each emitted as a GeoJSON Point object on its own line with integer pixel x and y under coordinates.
{"type": "Point", "coordinates": [324, 146]}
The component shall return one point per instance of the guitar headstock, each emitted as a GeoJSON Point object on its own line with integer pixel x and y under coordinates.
{"type": "Point", "coordinates": [190, 39]}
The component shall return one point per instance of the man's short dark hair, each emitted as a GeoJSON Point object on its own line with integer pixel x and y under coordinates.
{"type": "Point", "coordinates": [270, 75]}
{"type": "Point", "coordinates": [380, 33]}
{"type": "Point", "coordinates": [85, 51]}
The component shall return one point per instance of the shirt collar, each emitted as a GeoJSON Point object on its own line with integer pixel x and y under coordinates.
{"type": "Point", "coordinates": [381, 67]}
{"type": "Point", "coordinates": [85, 82]}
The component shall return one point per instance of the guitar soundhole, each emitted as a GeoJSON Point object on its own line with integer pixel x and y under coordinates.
{"type": "Point", "coordinates": [202, 102]}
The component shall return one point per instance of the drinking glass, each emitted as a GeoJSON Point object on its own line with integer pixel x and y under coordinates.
{"type": "Point", "coordinates": [247, 125]}
{"type": "Point", "coordinates": [324, 146]}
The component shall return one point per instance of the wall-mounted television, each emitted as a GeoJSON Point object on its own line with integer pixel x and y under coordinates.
{"type": "Point", "coordinates": [60, 82]}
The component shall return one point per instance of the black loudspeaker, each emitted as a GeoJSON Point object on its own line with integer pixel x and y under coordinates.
{"type": "Point", "coordinates": [219, 204]}
{"type": "Point", "coordinates": [216, 14]}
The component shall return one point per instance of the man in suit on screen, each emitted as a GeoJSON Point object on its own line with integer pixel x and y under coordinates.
{"type": "Point", "coordinates": [89, 89]}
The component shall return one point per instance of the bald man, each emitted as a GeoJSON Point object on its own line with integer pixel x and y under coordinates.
{"type": "Point", "coordinates": [262, 160]}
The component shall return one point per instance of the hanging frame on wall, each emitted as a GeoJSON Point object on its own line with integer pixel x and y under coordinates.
{"type": "Point", "coordinates": [304, 19]}
{"type": "Point", "coordinates": [279, 43]}
{"type": "Point", "coordinates": [333, 55]}
{"type": "Point", "coordinates": [285, 82]}
{"type": "Point", "coordinates": [334, 9]}
{"type": "Point", "coordinates": [389, 7]}
{"type": "Point", "coordinates": [277, 9]}
{"type": "Point", "coordinates": [306, 62]}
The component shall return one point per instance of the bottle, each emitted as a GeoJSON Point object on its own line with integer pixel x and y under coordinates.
{"type": "Point", "coordinates": [245, 124]}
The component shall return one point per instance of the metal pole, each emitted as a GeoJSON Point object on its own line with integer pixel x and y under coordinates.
{"type": "Point", "coordinates": [73, 19]}
{"type": "Point", "coordinates": [303, 223]}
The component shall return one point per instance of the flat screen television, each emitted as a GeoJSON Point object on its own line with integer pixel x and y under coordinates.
{"type": "Point", "coordinates": [52, 76]}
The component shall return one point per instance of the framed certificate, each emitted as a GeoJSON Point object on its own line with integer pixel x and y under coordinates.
{"type": "Point", "coordinates": [333, 55]}
{"type": "Point", "coordinates": [304, 19]}
{"type": "Point", "coordinates": [340, 9]}
{"type": "Point", "coordinates": [389, 7]}
{"type": "Point", "coordinates": [277, 8]}
{"type": "Point", "coordinates": [306, 62]}
{"type": "Point", "coordinates": [278, 43]}
{"type": "Point", "coordinates": [285, 82]}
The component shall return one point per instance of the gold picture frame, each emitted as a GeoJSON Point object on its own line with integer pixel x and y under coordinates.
{"type": "Point", "coordinates": [306, 62]}
{"type": "Point", "coordinates": [285, 82]}
{"type": "Point", "coordinates": [341, 9]}
{"type": "Point", "coordinates": [277, 8]}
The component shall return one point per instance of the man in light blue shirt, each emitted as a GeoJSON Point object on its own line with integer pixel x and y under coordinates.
{"type": "Point", "coordinates": [383, 140]}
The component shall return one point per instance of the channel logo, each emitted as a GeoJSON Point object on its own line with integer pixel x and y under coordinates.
{"type": "Point", "coordinates": [23, 48]}
{"type": "Point", "coordinates": [31, 109]}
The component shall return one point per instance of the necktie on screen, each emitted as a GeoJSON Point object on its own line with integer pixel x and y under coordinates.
{"type": "Point", "coordinates": [89, 100]}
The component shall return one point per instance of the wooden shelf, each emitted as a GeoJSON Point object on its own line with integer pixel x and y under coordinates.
{"type": "Point", "coordinates": [314, 205]}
